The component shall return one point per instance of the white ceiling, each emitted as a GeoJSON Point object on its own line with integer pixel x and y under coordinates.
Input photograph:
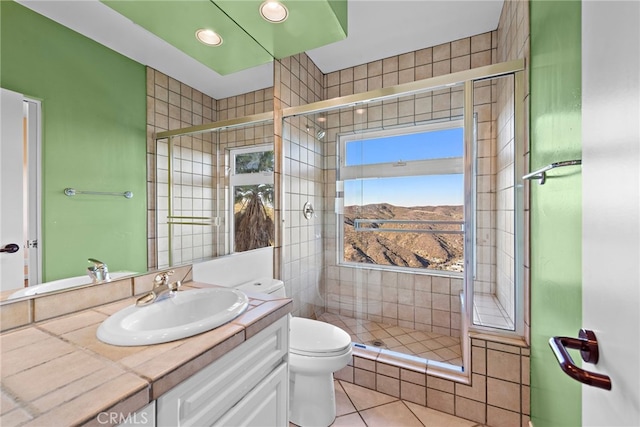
{"type": "Point", "coordinates": [377, 29]}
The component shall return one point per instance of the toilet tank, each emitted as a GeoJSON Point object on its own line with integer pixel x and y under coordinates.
{"type": "Point", "coordinates": [265, 285]}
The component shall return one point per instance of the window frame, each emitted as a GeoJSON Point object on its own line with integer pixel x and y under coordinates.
{"type": "Point", "coordinates": [440, 166]}
{"type": "Point", "coordinates": [244, 179]}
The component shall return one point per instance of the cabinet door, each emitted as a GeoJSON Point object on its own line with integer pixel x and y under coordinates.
{"type": "Point", "coordinates": [206, 396]}
{"type": "Point", "coordinates": [145, 417]}
{"type": "Point", "coordinates": [265, 406]}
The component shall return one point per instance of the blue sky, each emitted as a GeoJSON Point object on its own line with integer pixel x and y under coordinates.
{"type": "Point", "coordinates": [428, 190]}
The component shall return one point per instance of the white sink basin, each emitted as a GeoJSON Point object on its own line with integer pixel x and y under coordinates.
{"type": "Point", "coordinates": [61, 284]}
{"type": "Point", "coordinates": [185, 314]}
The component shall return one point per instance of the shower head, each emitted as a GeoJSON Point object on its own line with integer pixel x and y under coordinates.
{"type": "Point", "coordinates": [319, 134]}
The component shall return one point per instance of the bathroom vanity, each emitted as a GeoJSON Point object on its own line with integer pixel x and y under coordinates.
{"type": "Point", "coordinates": [56, 372]}
{"type": "Point", "coordinates": [247, 386]}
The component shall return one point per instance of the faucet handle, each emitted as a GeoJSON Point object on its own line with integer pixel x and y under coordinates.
{"type": "Point", "coordinates": [96, 262]}
{"type": "Point", "coordinates": [98, 271]}
{"type": "Point", "coordinates": [162, 278]}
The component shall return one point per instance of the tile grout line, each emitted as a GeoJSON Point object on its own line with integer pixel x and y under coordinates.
{"type": "Point", "coordinates": [351, 401]}
{"type": "Point", "coordinates": [413, 413]}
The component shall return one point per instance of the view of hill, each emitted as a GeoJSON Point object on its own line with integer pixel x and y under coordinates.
{"type": "Point", "coordinates": [408, 249]}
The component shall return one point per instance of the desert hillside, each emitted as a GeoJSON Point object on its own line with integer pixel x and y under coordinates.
{"type": "Point", "coordinates": [424, 250]}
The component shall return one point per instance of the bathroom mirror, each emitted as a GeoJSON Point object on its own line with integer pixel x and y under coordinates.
{"type": "Point", "coordinates": [186, 209]}
{"type": "Point", "coordinates": [214, 189]}
{"type": "Point", "coordinates": [213, 196]}
{"type": "Point", "coordinates": [95, 118]}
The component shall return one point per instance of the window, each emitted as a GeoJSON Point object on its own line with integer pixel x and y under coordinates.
{"type": "Point", "coordinates": [251, 183]}
{"type": "Point", "coordinates": [403, 197]}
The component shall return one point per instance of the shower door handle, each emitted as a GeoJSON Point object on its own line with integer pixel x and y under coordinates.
{"type": "Point", "coordinates": [588, 346]}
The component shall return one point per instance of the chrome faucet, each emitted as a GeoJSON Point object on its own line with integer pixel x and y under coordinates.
{"type": "Point", "coordinates": [162, 288]}
{"type": "Point", "coordinates": [98, 272]}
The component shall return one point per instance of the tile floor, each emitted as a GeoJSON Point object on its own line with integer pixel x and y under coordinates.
{"type": "Point", "coordinates": [428, 345]}
{"type": "Point", "coordinates": [360, 407]}
{"type": "Point", "coordinates": [488, 311]}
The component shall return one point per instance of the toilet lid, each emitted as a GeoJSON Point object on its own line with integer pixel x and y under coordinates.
{"type": "Point", "coordinates": [315, 338]}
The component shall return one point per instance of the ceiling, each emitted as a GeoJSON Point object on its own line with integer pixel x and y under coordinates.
{"type": "Point", "coordinates": [376, 29]}
{"type": "Point", "coordinates": [248, 39]}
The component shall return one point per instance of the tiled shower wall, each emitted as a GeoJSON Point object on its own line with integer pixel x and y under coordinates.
{"type": "Point", "coordinates": [513, 43]}
{"type": "Point", "coordinates": [484, 94]}
{"type": "Point", "coordinates": [423, 302]}
{"type": "Point", "coordinates": [173, 105]}
{"type": "Point", "coordinates": [246, 104]}
{"type": "Point", "coordinates": [499, 393]}
{"type": "Point", "coordinates": [170, 105]}
{"type": "Point", "coordinates": [299, 255]}
{"type": "Point", "coordinates": [505, 197]}
{"type": "Point", "coordinates": [193, 191]}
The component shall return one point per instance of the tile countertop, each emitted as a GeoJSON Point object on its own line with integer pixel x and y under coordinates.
{"type": "Point", "coordinates": [57, 372]}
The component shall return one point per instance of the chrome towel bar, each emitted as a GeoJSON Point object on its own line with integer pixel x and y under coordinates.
{"type": "Point", "coordinates": [541, 174]}
{"type": "Point", "coordinates": [72, 192]}
{"type": "Point", "coordinates": [213, 221]}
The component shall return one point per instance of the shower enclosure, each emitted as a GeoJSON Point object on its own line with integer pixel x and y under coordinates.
{"type": "Point", "coordinates": [396, 214]}
{"type": "Point", "coordinates": [214, 189]}
{"type": "Point", "coordinates": [416, 230]}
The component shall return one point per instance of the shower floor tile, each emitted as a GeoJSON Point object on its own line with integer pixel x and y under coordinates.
{"type": "Point", "coordinates": [428, 345]}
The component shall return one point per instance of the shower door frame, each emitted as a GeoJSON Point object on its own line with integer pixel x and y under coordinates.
{"type": "Point", "coordinates": [466, 78]}
{"type": "Point", "coordinates": [169, 135]}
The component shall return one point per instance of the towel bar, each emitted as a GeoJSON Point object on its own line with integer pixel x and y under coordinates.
{"type": "Point", "coordinates": [72, 192]}
{"type": "Point", "coordinates": [541, 174]}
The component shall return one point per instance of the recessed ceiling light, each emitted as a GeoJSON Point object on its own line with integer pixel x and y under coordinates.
{"type": "Point", "coordinates": [274, 11]}
{"type": "Point", "coordinates": [208, 37]}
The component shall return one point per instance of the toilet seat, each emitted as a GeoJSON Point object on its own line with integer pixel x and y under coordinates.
{"type": "Point", "coordinates": [317, 339]}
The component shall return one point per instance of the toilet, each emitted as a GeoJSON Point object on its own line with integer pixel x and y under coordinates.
{"type": "Point", "coordinates": [316, 350]}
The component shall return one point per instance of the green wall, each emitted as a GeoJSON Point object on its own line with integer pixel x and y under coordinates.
{"type": "Point", "coordinates": [556, 211]}
{"type": "Point", "coordinates": [94, 138]}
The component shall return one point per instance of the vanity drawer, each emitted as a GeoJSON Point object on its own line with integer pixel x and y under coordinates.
{"type": "Point", "coordinates": [206, 396]}
{"type": "Point", "coordinates": [265, 405]}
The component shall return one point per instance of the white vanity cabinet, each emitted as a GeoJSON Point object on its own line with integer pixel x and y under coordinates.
{"type": "Point", "coordinates": [246, 387]}
{"type": "Point", "coordinates": [145, 417]}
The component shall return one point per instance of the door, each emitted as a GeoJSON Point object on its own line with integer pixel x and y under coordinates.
{"type": "Point", "coordinates": [32, 191]}
{"type": "Point", "coordinates": [610, 202]}
{"type": "Point", "coordinates": [20, 180]}
{"type": "Point", "coordinates": [11, 182]}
